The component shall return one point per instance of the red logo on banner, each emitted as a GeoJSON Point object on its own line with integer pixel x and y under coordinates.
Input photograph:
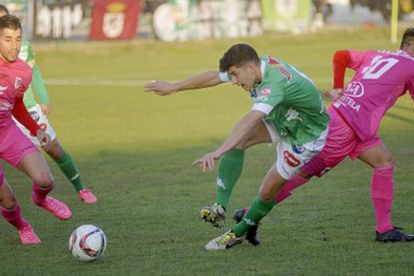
{"type": "Point", "coordinates": [290, 159]}
{"type": "Point", "coordinates": [115, 19]}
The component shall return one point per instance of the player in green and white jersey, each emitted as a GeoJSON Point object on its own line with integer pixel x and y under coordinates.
{"type": "Point", "coordinates": [40, 113]}
{"type": "Point", "coordinates": [288, 110]}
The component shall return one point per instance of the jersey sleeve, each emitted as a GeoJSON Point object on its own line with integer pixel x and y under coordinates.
{"type": "Point", "coordinates": [30, 58]}
{"type": "Point", "coordinates": [22, 115]}
{"type": "Point", "coordinates": [268, 97]}
{"type": "Point", "coordinates": [357, 58]}
{"type": "Point", "coordinates": [340, 62]}
{"type": "Point", "coordinates": [39, 86]}
{"type": "Point", "coordinates": [37, 81]}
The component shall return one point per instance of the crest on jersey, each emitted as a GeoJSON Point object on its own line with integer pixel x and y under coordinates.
{"type": "Point", "coordinates": [18, 82]}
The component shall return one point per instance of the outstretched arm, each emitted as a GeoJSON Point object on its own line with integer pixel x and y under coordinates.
{"type": "Point", "coordinates": [242, 128]}
{"type": "Point", "coordinates": [163, 88]}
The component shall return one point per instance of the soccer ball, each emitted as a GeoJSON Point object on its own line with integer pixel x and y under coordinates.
{"type": "Point", "coordinates": [87, 243]}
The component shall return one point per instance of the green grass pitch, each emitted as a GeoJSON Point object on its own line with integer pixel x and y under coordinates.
{"type": "Point", "coordinates": [135, 150]}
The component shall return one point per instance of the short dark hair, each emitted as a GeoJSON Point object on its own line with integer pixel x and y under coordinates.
{"type": "Point", "coordinates": [408, 37]}
{"type": "Point", "coordinates": [4, 8]}
{"type": "Point", "coordinates": [10, 22]}
{"type": "Point", "coordinates": [238, 55]}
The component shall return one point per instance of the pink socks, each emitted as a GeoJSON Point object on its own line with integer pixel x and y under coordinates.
{"type": "Point", "coordinates": [39, 194]}
{"type": "Point", "coordinates": [382, 191]}
{"type": "Point", "coordinates": [295, 182]}
{"type": "Point", "coordinates": [14, 216]}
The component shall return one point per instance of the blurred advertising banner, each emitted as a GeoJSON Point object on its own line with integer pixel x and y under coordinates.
{"type": "Point", "coordinates": [205, 19]}
{"type": "Point", "coordinates": [286, 15]}
{"type": "Point", "coordinates": [115, 19]}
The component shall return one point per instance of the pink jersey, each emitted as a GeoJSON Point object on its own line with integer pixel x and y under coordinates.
{"type": "Point", "coordinates": [381, 78]}
{"type": "Point", "coordinates": [15, 78]}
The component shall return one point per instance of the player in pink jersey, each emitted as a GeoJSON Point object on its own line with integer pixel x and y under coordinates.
{"type": "Point", "coordinates": [381, 77]}
{"type": "Point", "coordinates": [15, 148]}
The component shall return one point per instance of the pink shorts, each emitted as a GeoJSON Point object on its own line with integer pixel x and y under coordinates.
{"type": "Point", "coordinates": [14, 146]}
{"type": "Point", "coordinates": [340, 143]}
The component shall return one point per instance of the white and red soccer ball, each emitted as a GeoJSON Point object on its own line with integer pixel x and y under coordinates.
{"type": "Point", "coordinates": [87, 243]}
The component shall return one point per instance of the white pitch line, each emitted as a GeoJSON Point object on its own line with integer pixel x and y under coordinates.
{"type": "Point", "coordinates": [72, 82]}
{"type": "Point", "coordinates": [79, 82]}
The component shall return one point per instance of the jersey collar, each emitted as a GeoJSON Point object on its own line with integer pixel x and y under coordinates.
{"type": "Point", "coordinates": [262, 68]}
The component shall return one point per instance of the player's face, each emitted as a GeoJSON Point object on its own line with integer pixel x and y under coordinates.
{"type": "Point", "coordinates": [409, 47]}
{"type": "Point", "coordinates": [10, 43]}
{"type": "Point", "coordinates": [243, 76]}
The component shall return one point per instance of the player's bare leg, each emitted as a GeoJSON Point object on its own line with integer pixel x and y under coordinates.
{"type": "Point", "coordinates": [34, 165]}
{"type": "Point", "coordinates": [11, 212]}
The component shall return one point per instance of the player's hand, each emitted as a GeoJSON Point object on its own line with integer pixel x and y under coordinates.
{"type": "Point", "coordinates": [44, 139]}
{"type": "Point", "coordinates": [46, 108]}
{"type": "Point", "coordinates": [161, 88]}
{"type": "Point", "coordinates": [334, 94]}
{"type": "Point", "coordinates": [208, 161]}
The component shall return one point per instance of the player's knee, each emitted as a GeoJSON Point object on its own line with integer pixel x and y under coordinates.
{"type": "Point", "coordinates": [8, 201]}
{"type": "Point", "coordinates": [44, 179]}
{"type": "Point", "coordinates": [55, 152]}
{"type": "Point", "coordinates": [266, 195]}
{"type": "Point", "coordinates": [383, 161]}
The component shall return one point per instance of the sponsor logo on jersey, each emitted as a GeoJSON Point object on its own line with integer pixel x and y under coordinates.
{"type": "Point", "coordinates": [290, 159]}
{"type": "Point", "coordinates": [35, 115]}
{"type": "Point", "coordinates": [4, 75]}
{"type": "Point", "coordinates": [43, 127]}
{"type": "Point", "coordinates": [220, 183]}
{"type": "Point", "coordinates": [347, 101]}
{"type": "Point", "coordinates": [282, 70]}
{"type": "Point", "coordinates": [18, 82]}
{"type": "Point", "coordinates": [299, 149]}
{"type": "Point", "coordinates": [355, 89]}
{"type": "Point", "coordinates": [292, 114]}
